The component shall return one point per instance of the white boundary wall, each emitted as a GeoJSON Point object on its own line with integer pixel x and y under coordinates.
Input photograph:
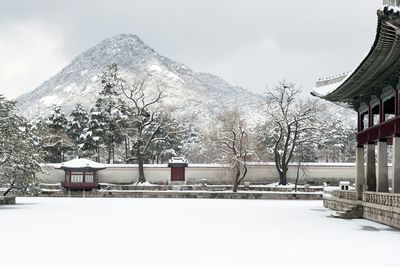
{"type": "Point", "coordinates": [215, 174]}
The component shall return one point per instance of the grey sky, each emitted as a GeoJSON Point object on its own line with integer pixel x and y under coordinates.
{"type": "Point", "coordinates": [250, 43]}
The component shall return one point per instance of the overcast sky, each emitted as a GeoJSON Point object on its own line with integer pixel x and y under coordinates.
{"type": "Point", "coordinates": [251, 43]}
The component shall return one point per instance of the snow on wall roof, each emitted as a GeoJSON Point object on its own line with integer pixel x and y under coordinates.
{"type": "Point", "coordinates": [391, 5]}
{"type": "Point", "coordinates": [325, 87]}
{"type": "Point", "coordinates": [80, 164]}
{"type": "Point", "coordinates": [71, 164]}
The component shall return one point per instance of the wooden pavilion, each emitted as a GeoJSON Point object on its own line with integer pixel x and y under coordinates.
{"type": "Point", "coordinates": [81, 174]}
{"type": "Point", "coordinates": [372, 90]}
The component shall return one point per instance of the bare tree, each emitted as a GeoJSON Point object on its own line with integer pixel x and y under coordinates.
{"type": "Point", "coordinates": [232, 136]}
{"type": "Point", "coordinates": [293, 123]}
{"type": "Point", "coordinates": [145, 125]}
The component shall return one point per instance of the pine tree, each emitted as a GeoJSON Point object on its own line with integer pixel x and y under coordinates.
{"type": "Point", "coordinates": [20, 151]}
{"type": "Point", "coordinates": [111, 111]}
{"type": "Point", "coordinates": [93, 135]}
{"type": "Point", "coordinates": [55, 138]}
{"type": "Point", "coordinates": [78, 122]}
{"type": "Point", "coordinates": [337, 144]}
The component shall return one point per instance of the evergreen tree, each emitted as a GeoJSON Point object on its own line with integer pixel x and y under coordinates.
{"type": "Point", "coordinates": [55, 138]}
{"type": "Point", "coordinates": [337, 142]}
{"type": "Point", "coordinates": [78, 122]}
{"type": "Point", "coordinates": [57, 121]}
{"type": "Point", "coordinates": [20, 151]}
{"type": "Point", "coordinates": [92, 136]}
{"type": "Point", "coordinates": [111, 111]}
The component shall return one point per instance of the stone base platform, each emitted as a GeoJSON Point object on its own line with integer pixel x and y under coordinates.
{"type": "Point", "coordinates": [7, 200]}
{"type": "Point", "coordinates": [382, 208]}
{"type": "Point", "coordinates": [189, 194]}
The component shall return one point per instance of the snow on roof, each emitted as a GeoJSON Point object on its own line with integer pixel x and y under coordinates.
{"type": "Point", "coordinates": [178, 160]}
{"type": "Point", "coordinates": [80, 164]}
{"type": "Point", "coordinates": [390, 7]}
{"type": "Point", "coordinates": [325, 87]}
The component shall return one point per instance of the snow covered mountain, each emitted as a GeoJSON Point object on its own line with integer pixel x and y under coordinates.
{"type": "Point", "coordinates": [199, 95]}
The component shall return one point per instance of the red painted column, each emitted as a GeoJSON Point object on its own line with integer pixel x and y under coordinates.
{"type": "Point", "coordinates": [381, 111]}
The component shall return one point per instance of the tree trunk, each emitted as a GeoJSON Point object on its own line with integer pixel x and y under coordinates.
{"type": "Point", "coordinates": [98, 154]}
{"type": "Point", "coordinates": [110, 151]}
{"type": "Point", "coordinates": [9, 189]}
{"type": "Point", "coordinates": [235, 186]}
{"type": "Point", "coordinates": [113, 153]}
{"type": "Point", "coordinates": [126, 148]}
{"type": "Point", "coordinates": [142, 179]}
{"type": "Point", "coordinates": [297, 177]}
{"type": "Point", "coordinates": [236, 180]}
{"type": "Point", "coordinates": [283, 177]}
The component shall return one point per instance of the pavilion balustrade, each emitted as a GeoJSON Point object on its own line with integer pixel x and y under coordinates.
{"type": "Point", "coordinates": [384, 130]}
{"type": "Point", "coordinates": [384, 199]}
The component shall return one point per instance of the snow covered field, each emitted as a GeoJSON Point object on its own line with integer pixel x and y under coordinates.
{"type": "Point", "coordinates": [174, 232]}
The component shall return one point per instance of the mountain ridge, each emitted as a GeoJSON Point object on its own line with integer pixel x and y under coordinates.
{"type": "Point", "coordinates": [78, 82]}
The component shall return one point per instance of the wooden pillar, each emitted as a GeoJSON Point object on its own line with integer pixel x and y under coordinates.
{"type": "Point", "coordinates": [360, 175]}
{"type": "Point", "coordinates": [382, 175]}
{"type": "Point", "coordinates": [396, 165]}
{"type": "Point", "coordinates": [381, 111]}
{"type": "Point", "coordinates": [370, 116]}
{"type": "Point", "coordinates": [360, 122]}
{"type": "Point", "coordinates": [371, 169]}
{"type": "Point", "coordinates": [396, 102]}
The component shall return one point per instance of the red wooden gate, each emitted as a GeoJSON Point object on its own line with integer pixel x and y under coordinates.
{"type": "Point", "coordinates": [177, 174]}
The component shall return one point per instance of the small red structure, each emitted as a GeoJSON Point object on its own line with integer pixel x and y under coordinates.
{"type": "Point", "coordinates": [177, 165]}
{"type": "Point", "coordinates": [81, 174]}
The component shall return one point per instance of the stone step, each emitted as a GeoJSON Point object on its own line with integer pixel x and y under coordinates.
{"type": "Point", "coordinates": [351, 212]}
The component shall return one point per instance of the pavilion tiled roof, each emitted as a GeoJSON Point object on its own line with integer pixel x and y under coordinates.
{"type": "Point", "coordinates": [380, 68]}
{"type": "Point", "coordinates": [80, 163]}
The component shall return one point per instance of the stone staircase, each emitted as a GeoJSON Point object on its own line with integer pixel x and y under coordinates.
{"type": "Point", "coordinates": [350, 212]}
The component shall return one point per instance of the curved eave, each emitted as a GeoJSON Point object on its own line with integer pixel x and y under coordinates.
{"type": "Point", "coordinates": [382, 61]}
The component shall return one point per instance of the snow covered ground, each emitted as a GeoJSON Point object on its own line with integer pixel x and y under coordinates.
{"type": "Point", "coordinates": [176, 232]}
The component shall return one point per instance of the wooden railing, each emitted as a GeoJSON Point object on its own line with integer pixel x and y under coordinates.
{"type": "Point", "coordinates": [80, 185]}
{"type": "Point", "coordinates": [382, 130]}
{"type": "Point", "coordinates": [384, 199]}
